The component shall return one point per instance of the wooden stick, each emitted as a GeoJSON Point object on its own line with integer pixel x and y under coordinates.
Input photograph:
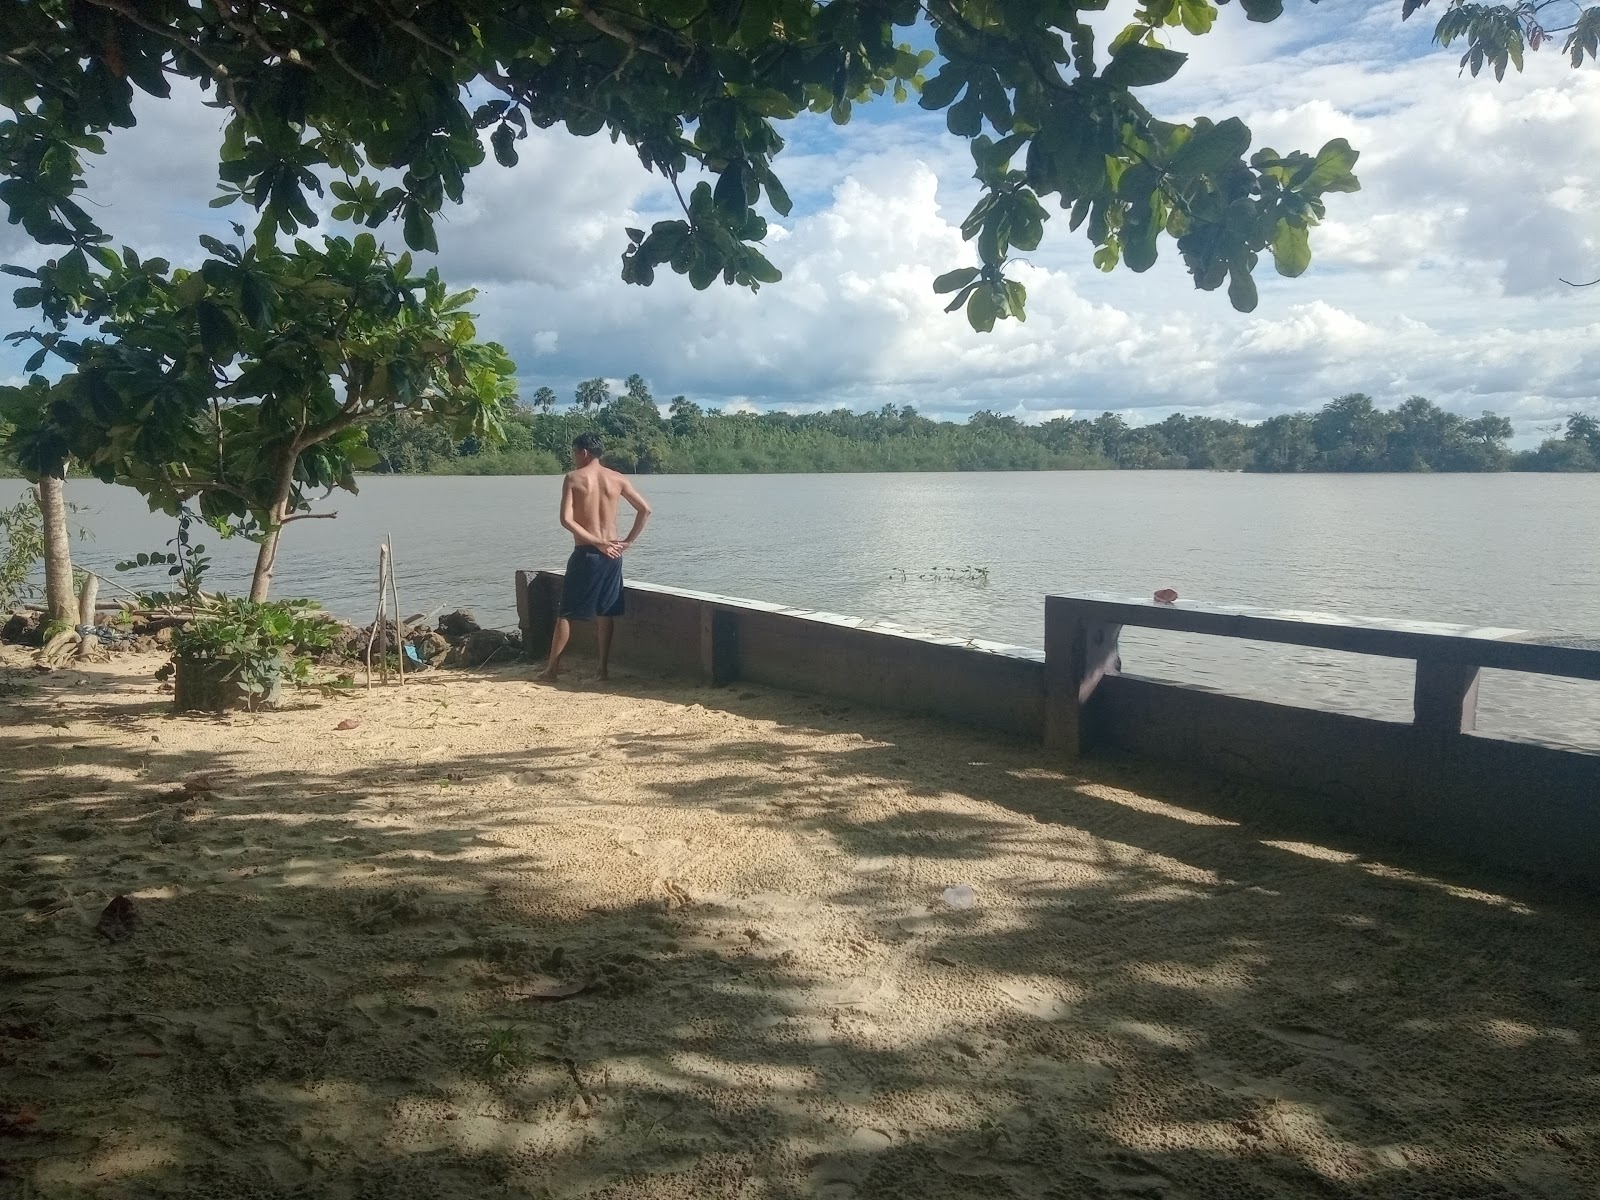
{"type": "Point", "coordinates": [377, 626]}
{"type": "Point", "coordinates": [383, 614]}
{"type": "Point", "coordinates": [394, 594]}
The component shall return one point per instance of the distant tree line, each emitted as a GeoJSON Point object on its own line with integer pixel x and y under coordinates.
{"type": "Point", "coordinates": [1350, 433]}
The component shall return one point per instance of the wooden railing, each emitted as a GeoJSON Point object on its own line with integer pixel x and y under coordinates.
{"type": "Point", "coordinates": [1081, 649]}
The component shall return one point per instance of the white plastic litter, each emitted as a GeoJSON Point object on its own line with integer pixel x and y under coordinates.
{"type": "Point", "coordinates": [959, 896]}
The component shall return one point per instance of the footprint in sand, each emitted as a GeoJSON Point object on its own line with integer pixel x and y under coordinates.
{"type": "Point", "coordinates": [1035, 999]}
{"type": "Point", "coordinates": [1123, 1174]}
{"type": "Point", "coordinates": [866, 995]}
{"type": "Point", "coordinates": [1054, 1078]}
{"type": "Point", "coordinates": [1305, 1037]}
{"type": "Point", "coordinates": [835, 1179]}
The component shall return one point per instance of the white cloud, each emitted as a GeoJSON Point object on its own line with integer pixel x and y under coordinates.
{"type": "Point", "coordinates": [1439, 277]}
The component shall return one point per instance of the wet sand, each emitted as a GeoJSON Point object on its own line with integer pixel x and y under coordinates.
{"type": "Point", "coordinates": [499, 939]}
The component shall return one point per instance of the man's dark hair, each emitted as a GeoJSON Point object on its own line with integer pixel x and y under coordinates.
{"type": "Point", "coordinates": [590, 442]}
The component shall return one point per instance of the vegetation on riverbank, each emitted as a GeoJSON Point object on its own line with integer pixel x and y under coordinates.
{"type": "Point", "coordinates": [1348, 434]}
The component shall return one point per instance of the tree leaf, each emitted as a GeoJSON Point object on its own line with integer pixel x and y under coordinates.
{"type": "Point", "coordinates": [1291, 248]}
{"type": "Point", "coordinates": [943, 88]}
{"type": "Point", "coordinates": [952, 281]}
{"type": "Point", "coordinates": [1261, 10]}
{"type": "Point", "coordinates": [189, 289]}
{"type": "Point", "coordinates": [1332, 173]}
{"type": "Point", "coordinates": [217, 334]}
{"type": "Point", "coordinates": [1138, 65]}
{"type": "Point", "coordinates": [982, 311]}
{"type": "Point", "coordinates": [1210, 147]}
{"type": "Point", "coordinates": [503, 139]}
{"type": "Point", "coordinates": [1241, 290]}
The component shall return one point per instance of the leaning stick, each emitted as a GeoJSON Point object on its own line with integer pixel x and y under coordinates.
{"type": "Point", "coordinates": [394, 594]}
{"type": "Point", "coordinates": [383, 614]}
{"type": "Point", "coordinates": [377, 626]}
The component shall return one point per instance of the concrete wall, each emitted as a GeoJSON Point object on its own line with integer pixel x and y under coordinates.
{"type": "Point", "coordinates": [720, 639]}
{"type": "Point", "coordinates": [1496, 803]}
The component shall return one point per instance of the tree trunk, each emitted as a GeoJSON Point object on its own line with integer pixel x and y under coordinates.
{"type": "Point", "coordinates": [261, 581]}
{"type": "Point", "coordinates": [60, 600]}
{"type": "Point", "coordinates": [266, 557]}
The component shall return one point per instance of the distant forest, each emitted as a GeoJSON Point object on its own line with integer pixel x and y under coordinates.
{"type": "Point", "coordinates": [1349, 434]}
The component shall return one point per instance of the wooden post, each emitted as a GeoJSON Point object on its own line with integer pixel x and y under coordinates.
{"type": "Point", "coordinates": [522, 582]}
{"type": "Point", "coordinates": [1445, 698]}
{"type": "Point", "coordinates": [86, 600]}
{"type": "Point", "coordinates": [1078, 653]}
{"type": "Point", "coordinates": [539, 595]}
{"type": "Point", "coordinates": [708, 644]}
{"type": "Point", "coordinates": [719, 645]}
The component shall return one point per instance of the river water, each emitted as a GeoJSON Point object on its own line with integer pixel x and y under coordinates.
{"type": "Point", "coordinates": [1508, 550]}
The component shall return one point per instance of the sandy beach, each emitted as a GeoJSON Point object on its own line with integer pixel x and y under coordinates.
{"type": "Point", "coordinates": [484, 938]}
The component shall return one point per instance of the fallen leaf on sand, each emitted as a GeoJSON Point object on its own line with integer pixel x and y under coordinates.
{"type": "Point", "coordinates": [347, 723]}
{"type": "Point", "coordinates": [557, 991]}
{"type": "Point", "coordinates": [21, 1121]}
{"type": "Point", "coordinates": [118, 919]}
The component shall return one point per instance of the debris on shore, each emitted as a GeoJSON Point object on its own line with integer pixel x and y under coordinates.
{"type": "Point", "coordinates": [455, 640]}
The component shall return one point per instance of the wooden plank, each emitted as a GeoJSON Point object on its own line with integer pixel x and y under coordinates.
{"type": "Point", "coordinates": [1445, 698]}
{"type": "Point", "coordinates": [1079, 651]}
{"type": "Point", "coordinates": [524, 580]}
{"type": "Point", "coordinates": [1504, 649]}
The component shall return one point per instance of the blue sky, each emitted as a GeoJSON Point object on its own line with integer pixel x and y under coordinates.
{"type": "Point", "coordinates": [1439, 278]}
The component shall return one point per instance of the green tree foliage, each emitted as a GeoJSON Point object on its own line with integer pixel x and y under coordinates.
{"type": "Point", "coordinates": [1578, 449]}
{"type": "Point", "coordinates": [592, 394]}
{"type": "Point", "coordinates": [21, 549]}
{"type": "Point", "coordinates": [398, 104]}
{"type": "Point", "coordinates": [245, 384]}
{"type": "Point", "coordinates": [1349, 434]}
{"type": "Point", "coordinates": [1496, 35]}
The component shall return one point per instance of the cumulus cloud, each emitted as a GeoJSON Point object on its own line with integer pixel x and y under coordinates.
{"type": "Point", "coordinates": [1439, 277]}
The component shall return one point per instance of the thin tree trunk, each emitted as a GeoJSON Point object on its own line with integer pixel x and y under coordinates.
{"type": "Point", "coordinates": [261, 581]}
{"type": "Point", "coordinates": [60, 600]}
{"type": "Point", "coordinates": [266, 557]}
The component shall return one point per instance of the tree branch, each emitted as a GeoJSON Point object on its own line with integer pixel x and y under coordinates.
{"type": "Point", "coordinates": [333, 50]}
{"type": "Point", "coordinates": [132, 16]}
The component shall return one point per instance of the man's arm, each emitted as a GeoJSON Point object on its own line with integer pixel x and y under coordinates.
{"type": "Point", "coordinates": [641, 511]}
{"type": "Point", "coordinates": [569, 519]}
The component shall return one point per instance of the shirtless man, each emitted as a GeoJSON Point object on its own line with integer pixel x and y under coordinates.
{"type": "Point", "coordinates": [593, 586]}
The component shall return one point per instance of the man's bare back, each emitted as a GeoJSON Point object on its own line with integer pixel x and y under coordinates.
{"type": "Point", "coordinates": [589, 507]}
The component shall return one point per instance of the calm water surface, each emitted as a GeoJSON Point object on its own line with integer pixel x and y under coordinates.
{"type": "Point", "coordinates": [1509, 550]}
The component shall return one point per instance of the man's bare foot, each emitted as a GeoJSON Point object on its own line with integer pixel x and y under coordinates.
{"type": "Point", "coordinates": [548, 676]}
